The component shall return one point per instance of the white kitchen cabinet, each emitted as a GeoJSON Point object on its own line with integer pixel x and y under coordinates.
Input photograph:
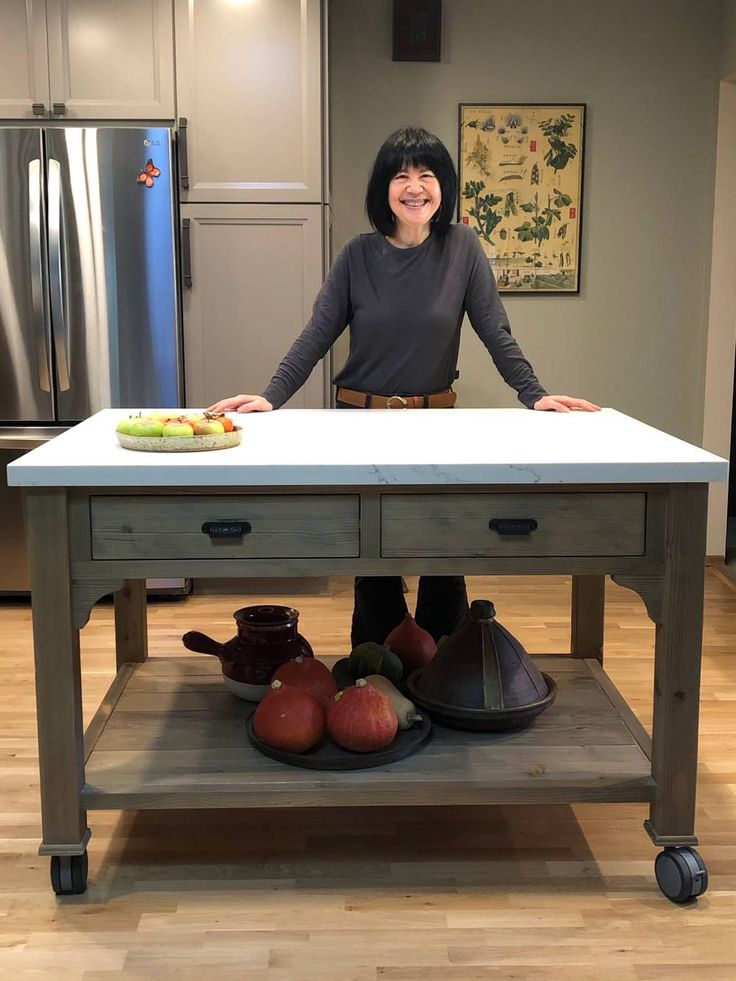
{"type": "Point", "coordinates": [249, 88]}
{"type": "Point", "coordinates": [251, 273]}
{"type": "Point", "coordinates": [24, 68]}
{"type": "Point", "coordinates": [87, 59]}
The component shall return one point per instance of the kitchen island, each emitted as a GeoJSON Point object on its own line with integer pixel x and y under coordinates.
{"type": "Point", "coordinates": [315, 492]}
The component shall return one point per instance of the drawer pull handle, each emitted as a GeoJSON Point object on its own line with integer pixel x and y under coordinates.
{"type": "Point", "coordinates": [513, 526]}
{"type": "Point", "coordinates": [227, 530]}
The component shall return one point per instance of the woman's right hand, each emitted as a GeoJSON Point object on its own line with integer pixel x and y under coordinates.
{"type": "Point", "coordinates": [242, 403]}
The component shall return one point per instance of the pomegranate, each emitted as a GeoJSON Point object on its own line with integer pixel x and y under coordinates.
{"type": "Point", "coordinates": [362, 719]}
{"type": "Point", "coordinates": [289, 719]}
{"type": "Point", "coordinates": [309, 675]}
{"type": "Point", "coordinates": [413, 645]}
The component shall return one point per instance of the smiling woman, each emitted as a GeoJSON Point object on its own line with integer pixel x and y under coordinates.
{"type": "Point", "coordinates": [403, 290]}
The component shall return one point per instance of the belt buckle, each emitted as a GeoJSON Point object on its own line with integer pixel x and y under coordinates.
{"type": "Point", "coordinates": [402, 400]}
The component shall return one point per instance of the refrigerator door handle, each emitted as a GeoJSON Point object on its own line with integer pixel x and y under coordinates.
{"type": "Point", "coordinates": [56, 289]}
{"type": "Point", "coordinates": [35, 236]}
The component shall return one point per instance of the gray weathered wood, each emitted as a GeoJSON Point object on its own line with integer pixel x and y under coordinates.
{"type": "Point", "coordinates": [618, 701]}
{"type": "Point", "coordinates": [568, 524]}
{"type": "Point", "coordinates": [649, 587]}
{"type": "Point", "coordinates": [100, 719]}
{"type": "Point", "coordinates": [85, 594]}
{"type": "Point", "coordinates": [176, 738]}
{"type": "Point", "coordinates": [57, 671]}
{"type": "Point", "coordinates": [153, 526]}
{"type": "Point", "coordinates": [677, 664]}
{"type": "Point", "coordinates": [587, 620]}
{"type": "Point", "coordinates": [131, 624]}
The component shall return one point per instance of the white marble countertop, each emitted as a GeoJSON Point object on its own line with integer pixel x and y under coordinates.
{"type": "Point", "coordinates": [318, 447]}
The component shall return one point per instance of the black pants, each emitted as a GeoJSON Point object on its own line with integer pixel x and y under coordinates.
{"type": "Point", "coordinates": [442, 601]}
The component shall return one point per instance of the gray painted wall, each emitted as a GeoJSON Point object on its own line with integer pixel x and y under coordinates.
{"type": "Point", "coordinates": [635, 337]}
{"type": "Point", "coordinates": [728, 40]}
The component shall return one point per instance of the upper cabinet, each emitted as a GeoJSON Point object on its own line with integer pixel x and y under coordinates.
{"type": "Point", "coordinates": [248, 78]}
{"type": "Point", "coordinates": [86, 59]}
{"type": "Point", "coordinates": [24, 66]}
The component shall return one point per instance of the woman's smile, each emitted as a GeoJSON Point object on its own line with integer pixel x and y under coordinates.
{"type": "Point", "coordinates": [414, 197]}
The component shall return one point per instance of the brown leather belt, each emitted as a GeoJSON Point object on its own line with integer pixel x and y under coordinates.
{"type": "Point", "coordinates": [439, 400]}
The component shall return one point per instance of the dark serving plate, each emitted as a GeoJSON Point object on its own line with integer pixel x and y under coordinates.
{"type": "Point", "coordinates": [327, 755]}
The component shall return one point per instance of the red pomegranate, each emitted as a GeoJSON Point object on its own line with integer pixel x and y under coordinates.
{"type": "Point", "coordinates": [413, 645]}
{"type": "Point", "coordinates": [309, 675]}
{"type": "Point", "coordinates": [361, 718]}
{"type": "Point", "coordinates": [289, 719]}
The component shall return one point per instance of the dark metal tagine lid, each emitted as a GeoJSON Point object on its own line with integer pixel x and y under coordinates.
{"type": "Point", "coordinates": [481, 677]}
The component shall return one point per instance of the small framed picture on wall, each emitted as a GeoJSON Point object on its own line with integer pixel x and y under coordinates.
{"type": "Point", "coordinates": [521, 190]}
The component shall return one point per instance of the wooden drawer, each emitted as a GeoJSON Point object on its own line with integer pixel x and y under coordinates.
{"type": "Point", "coordinates": [278, 526]}
{"type": "Point", "coordinates": [447, 525]}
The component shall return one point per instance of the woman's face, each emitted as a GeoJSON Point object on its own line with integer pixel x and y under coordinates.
{"type": "Point", "coordinates": [414, 196]}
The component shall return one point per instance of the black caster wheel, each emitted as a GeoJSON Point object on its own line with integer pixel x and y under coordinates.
{"type": "Point", "coordinates": [681, 874]}
{"type": "Point", "coordinates": [69, 874]}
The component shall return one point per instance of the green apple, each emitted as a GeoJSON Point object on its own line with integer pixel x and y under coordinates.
{"type": "Point", "coordinates": [178, 429]}
{"type": "Point", "coordinates": [208, 427]}
{"type": "Point", "coordinates": [163, 414]}
{"type": "Point", "coordinates": [124, 425]}
{"type": "Point", "coordinates": [145, 426]}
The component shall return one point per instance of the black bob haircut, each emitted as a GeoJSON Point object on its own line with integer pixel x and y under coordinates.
{"type": "Point", "coordinates": [411, 147]}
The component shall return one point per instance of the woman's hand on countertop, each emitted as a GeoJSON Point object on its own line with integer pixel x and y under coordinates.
{"type": "Point", "coordinates": [242, 403]}
{"type": "Point", "coordinates": [564, 403]}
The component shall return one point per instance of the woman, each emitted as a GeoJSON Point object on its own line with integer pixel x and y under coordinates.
{"type": "Point", "coordinates": [403, 290]}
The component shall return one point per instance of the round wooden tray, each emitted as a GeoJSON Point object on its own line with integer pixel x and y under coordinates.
{"type": "Point", "coordinates": [180, 444]}
{"type": "Point", "coordinates": [326, 755]}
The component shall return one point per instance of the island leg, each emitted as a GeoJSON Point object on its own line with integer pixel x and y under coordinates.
{"type": "Point", "coordinates": [680, 870]}
{"type": "Point", "coordinates": [58, 691]}
{"type": "Point", "coordinates": [131, 625]}
{"type": "Point", "coordinates": [588, 607]}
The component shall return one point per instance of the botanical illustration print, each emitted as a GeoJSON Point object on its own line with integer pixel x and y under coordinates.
{"type": "Point", "coordinates": [520, 190]}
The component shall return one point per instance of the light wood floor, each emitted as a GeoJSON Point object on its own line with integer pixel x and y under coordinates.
{"type": "Point", "coordinates": [350, 894]}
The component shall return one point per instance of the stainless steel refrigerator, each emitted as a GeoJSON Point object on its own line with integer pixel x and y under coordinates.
{"type": "Point", "coordinates": [89, 311]}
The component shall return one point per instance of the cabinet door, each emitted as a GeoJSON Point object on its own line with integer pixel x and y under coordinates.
{"type": "Point", "coordinates": [24, 72]}
{"type": "Point", "coordinates": [248, 84]}
{"type": "Point", "coordinates": [255, 271]}
{"type": "Point", "coordinates": [111, 60]}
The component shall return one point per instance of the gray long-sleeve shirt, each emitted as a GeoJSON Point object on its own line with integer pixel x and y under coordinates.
{"type": "Point", "coordinates": [405, 308]}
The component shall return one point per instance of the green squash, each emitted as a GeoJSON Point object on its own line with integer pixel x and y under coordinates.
{"type": "Point", "coordinates": [370, 658]}
{"type": "Point", "coordinates": [342, 673]}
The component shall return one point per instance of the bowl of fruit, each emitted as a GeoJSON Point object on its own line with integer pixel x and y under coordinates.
{"type": "Point", "coordinates": [177, 431]}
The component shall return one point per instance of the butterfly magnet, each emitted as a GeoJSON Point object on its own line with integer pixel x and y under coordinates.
{"type": "Point", "coordinates": [148, 175]}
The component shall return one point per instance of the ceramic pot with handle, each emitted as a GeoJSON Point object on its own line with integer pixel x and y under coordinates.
{"type": "Point", "coordinates": [267, 637]}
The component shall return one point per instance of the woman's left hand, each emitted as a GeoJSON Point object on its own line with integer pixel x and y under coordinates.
{"type": "Point", "coordinates": [563, 403]}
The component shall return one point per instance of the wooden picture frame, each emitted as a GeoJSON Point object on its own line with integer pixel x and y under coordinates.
{"type": "Point", "coordinates": [417, 26]}
{"type": "Point", "coordinates": [521, 189]}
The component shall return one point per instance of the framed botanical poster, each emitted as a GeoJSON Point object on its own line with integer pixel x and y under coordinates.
{"type": "Point", "coordinates": [521, 191]}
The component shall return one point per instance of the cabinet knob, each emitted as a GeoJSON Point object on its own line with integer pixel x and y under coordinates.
{"type": "Point", "coordinates": [38, 108]}
{"type": "Point", "coordinates": [59, 109]}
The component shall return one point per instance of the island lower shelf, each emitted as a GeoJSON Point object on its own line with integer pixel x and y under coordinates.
{"type": "Point", "coordinates": [168, 735]}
